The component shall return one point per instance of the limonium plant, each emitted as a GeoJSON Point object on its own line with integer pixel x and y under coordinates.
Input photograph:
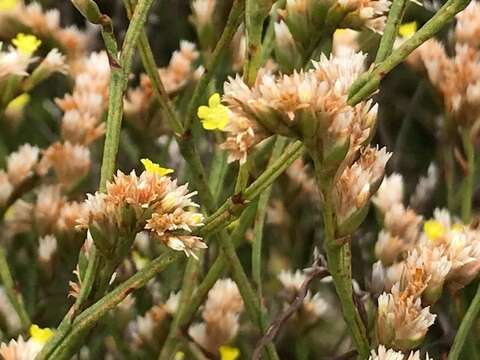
{"type": "Point", "coordinates": [241, 179]}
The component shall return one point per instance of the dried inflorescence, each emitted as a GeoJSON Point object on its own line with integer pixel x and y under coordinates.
{"type": "Point", "coordinates": [149, 201]}
{"type": "Point", "coordinates": [220, 317]}
{"type": "Point", "coordinates": [43, 23]}
{"type": "Point", "coordinates": [83, 108]}
{"type": "Point", "coordinates": [310, 104]}
{"type": "Point", "coordinates": [389, 354]}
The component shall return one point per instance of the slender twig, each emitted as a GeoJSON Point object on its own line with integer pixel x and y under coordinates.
{"type": "Point", "coordinates": [90, 316]}
{"type": "Point", "coordinates": [339, 265]}
{"type": "Point", "coordinates": [465, 327]}
{"type": "Point", "coordinates": [13, 295]}
{"type": "Point", "coordinates": [369, 82]}
{"type": "Point", "coordinates": [395, 15]}
{"type": "Point", "coordinates": [260, 220]}
{"type": "Point", "coordinates": [233, 206]}
{"type": "Point", "coordinates": [314, 272]}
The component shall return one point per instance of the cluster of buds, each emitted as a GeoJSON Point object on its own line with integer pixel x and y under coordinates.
{"type": "Point", "coordinates": [313, 307]}
{"type": "Point", "coordinates": [17, 16]}
{"type": "Point", "coordinates": [151, 201]}
{"type": "Point", "coordinates": [84, 107]}
{"type": "Point", "coordinates": [21, 166]}
{"type": "Point", "coordinates": [417, 265]}
{"type": "Point", "coordinates": [220, 317]}
{"type": "Point", "coordinates": [297, 36]}
{"type": "Point", "coordinates": [456, 78]}
{"type": "Point", "coordinates": [175, 76]}
{"type": "Point", "coordinates": [312, 106]}
{"type": "Point", "coordinates": [389, 354]}
{"type": "Point", "coordinates": [15, 77]}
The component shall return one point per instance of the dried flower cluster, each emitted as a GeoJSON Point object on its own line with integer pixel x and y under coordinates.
{"type": "Point", "coordinates": [281, 116]}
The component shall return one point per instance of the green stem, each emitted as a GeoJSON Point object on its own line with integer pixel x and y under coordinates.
{"type": "Point", "coordinates": [369, 82]}
{"type": "Point", "coordinates": [252, 304]}
{"type": "Point", "coordinates": [90, 316]}
{"type": "Point", "coordinates": [232, 207]}
{"type": "Point", "coordinates": [219, 267]}
{"type": "Point", "coordinates": [465, 327]}
{"type": "Point", "coordinates": [255, 13]}
{"type": "Point", "coordinates": [469, 177]}
{"type": "Point", "coordinates": [260, 221]}
{"type": "Point", "coordinates": [339, 266]}
{"type": "Point", "coordinates": [233, 21]}
{"type": "Point", "coordinates": [13, 295]}
{"type": "Point", "coordinates": [395, 15]}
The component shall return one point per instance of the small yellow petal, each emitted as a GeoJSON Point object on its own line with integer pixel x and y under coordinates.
{"type": "Point", "coordinates": [40, 335]}
{"type": "Point", "coordinates": [6, 5]}
{"type": "Point", "coordinates": [203, 111]}
{"type": "Point", "coordinates": [214, 100]}
{"type": "Point", "coordinates": [26, 44]}
{"type": "Point", "coordinates": [228, 353]}
{"type": "Point", "coordinates": [433, 229]}
{"type": "Point", "coordinates": [153, 168]}
{"type": "Point", "coordinates": [408, 29]}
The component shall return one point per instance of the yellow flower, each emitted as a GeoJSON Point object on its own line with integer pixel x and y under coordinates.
{"type": "Point", "coordinates": [228, 353]}
{"type": "Point", "coordinates": [215, 115]}
{"type": "Point", "coordinates": [151, 167]}
{"type": "Point", "coordinates": [6, 5]}
{"type": "Point", "coordinates": [40, 335]}
{"type": "Point", "coordinates": [433, 229]}
{"type": "Point", "coordinates": [408, 29]}
{"type": "Point", "coordinates": [26, 44]}
{"type": "Point", "coordinates": [19, 102]}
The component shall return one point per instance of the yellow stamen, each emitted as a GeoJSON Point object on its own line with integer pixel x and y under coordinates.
{"type": "Point", "coordinates": [215, 115]}
{"type": "Point", "coordinates": [433, 229]}
{"type": "Point", "coordinates": [408, 29]}
{"type": "Point", "coordinates": [151, 167]}
{"type": "Point", "coordinates": [228, 353]}
{"type": "Point", "coordinates": [7, 5]}
{"type": "Point", "coordinates": [26, 44]}
{"type": "Point", "coordinates": [40, 335]}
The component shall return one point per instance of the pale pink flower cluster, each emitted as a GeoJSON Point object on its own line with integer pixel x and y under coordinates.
{"type": "Point", "coordinates": [150, 202]}
{"type": "Point", "coordinates": [220, 316]}
{"type": "Point", "coordinates": [417, 265]}
{"type": "Point", "coordinates": [286, 104]}
{"type": "Point", "coordinates": [388, 354]}
{"type": "Point", "coordinates": [84, 107]}
{"type": "Point", "coordinates": [44, 24]}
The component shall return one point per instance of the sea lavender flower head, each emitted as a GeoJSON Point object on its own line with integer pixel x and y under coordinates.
{"type": "Point", "coordinates": [151, 202]}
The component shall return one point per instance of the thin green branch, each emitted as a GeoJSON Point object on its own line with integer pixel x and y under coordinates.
{"type": "Point", "coordinates": [465, 327]}
{"type": "Point", "coordinates": [90, 316]}
{"type": "Point", "coordinates": [339, 265]}
{"type": "Point", "coordinates": [395, 16]}
{"type": "Point", "coordinates": [369, 82]}
{"type": "Point", "coordinates": [260, 220]}
{"type": "Point", "coordinates": [13, 295]}
{"type": "Point", "coordinates": [233, 206]}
